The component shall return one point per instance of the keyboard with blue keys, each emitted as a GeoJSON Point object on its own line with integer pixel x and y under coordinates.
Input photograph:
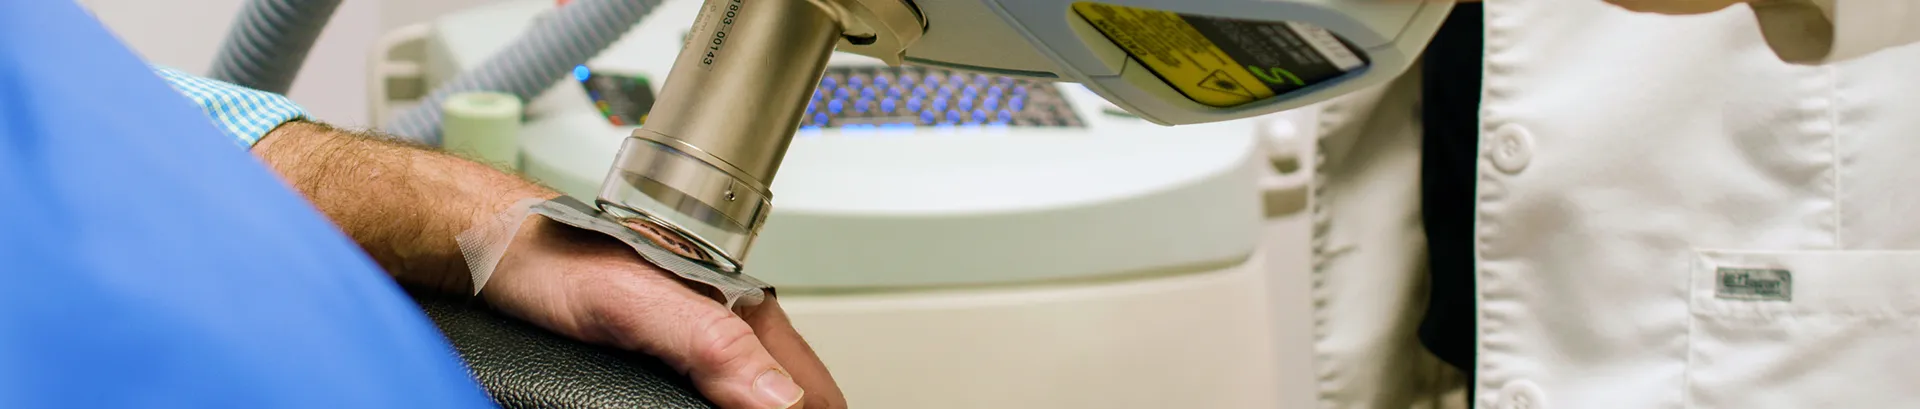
{"type": "Point", "coordinates": [910, 96]}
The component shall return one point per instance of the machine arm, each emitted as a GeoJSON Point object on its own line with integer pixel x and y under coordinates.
{"type": "Point", "coordinates": [702, 164]}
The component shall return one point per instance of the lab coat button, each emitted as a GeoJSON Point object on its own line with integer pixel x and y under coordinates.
{"type": "Point", "coordinates": [1521, 395]}
{"type": "Point", "coordinates": [1512, 148]}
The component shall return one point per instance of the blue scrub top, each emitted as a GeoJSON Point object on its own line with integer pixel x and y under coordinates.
{"type": "Point", "coordinates": [147, 262]}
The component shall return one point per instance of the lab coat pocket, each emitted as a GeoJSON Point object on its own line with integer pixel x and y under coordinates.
{"type": "Point", "coordinates": [1833, 329]}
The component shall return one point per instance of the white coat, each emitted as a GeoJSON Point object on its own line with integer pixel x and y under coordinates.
{"type": "Point", "coordinates": [1669, 215]}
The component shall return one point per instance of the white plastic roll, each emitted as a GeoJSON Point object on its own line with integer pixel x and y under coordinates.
{"type": "Point", "coordinates": [483, 126]}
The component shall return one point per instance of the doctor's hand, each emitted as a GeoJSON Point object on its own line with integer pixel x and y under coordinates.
{"type": "Point", "coordinates": [403, 205]}
{"type": "Point", "coordinates": [591, 287]}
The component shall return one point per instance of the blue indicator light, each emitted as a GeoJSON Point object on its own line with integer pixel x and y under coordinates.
{"type": "Point", "coordinates": [1016, 102]}
{"type": "Point", "coordinates": [906, 81]}
{"type": "Point", "coordinates": [965, 104]}
{"type": "Point", "coordinates": [913, 105]}
{"type": "Point", "coordinates": [836, 106]}
{"type": "Point", "coordinates": [880, 82]}
{"type": "Point", "coordinates": [979, 79]}
{"type": "Point", "coordinates": [1020, 91]}
{"type": "Point", "coordinates": [990, 103]}
{"type": "Point", "coordinates": [817, 95]}
{"type": "Point", "coordinates": [842, 93]}
{"type": "Point", "coordinates": [580, 72]}
{"type": "Point", "coordinates": [919, 93]}
{"type": "Point", "coordinates": [979, 115]}
{"type": "Point", "coordinates": [820, 118]}
{"type": "Point", "coordinates": [862, 106]}
{"type": "Point", "coordinates": [940, 104]}
{"type": "Point", "coordinates": [927, 117]}
{"type": "Point", "coordinates": [893, 92]}
{"type": "Point", "coordinates": [827, 82]}
{"type": "Point", "coordinates": [867, 93]}
{"type": "Point", "coordinates": [855, 82]}
{"type": "Point", "coordinates": [970, 91]}
{"type": "Point", "coordinates": [953, 115]}
{"type": "Point", "coordinates": [1006, 116]}
{"type": "Point", "coordinates": [994, 91]}
{"type": "Point", "coordinates": [887, 105]}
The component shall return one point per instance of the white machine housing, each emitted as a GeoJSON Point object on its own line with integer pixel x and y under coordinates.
{"type": "Point", "coordinates": [1043, 39]}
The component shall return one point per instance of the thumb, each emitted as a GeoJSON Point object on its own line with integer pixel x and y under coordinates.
{"type": "Point", "coordinates": [695, 335]}
{"type": "Point", "coordinates": [731, 366]}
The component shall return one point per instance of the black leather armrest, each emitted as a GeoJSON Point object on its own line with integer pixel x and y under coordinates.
{"type": "Point", "coordinates": [524, 366]}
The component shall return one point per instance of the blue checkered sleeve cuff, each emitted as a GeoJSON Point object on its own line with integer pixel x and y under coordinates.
{"type": "Point", "coordinates": [242, 113]}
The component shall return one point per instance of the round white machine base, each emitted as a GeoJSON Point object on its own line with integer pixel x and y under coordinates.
{"type": "Point", "coordinates": [1194, 340]}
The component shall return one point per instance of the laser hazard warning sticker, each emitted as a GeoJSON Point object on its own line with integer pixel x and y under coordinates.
{"type": "Point", "coordinates": [1224, 62]}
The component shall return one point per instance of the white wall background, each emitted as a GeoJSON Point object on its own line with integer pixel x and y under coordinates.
{"type": "Point", "coordinates": [185, 34]}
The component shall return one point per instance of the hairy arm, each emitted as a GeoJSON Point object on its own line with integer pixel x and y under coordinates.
{"type": "Point", "coordinates": [402, 203]}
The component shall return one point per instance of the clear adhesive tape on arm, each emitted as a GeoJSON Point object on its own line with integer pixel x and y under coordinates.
{"type": "Point", "coordinates": [484, 245]}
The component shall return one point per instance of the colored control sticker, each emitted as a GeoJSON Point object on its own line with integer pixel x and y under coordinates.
{"type": "Point", "coordinates": [1224, 62]}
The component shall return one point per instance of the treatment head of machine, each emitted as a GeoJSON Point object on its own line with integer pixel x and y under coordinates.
{"type": "Point", "coordinates": [702, 164]}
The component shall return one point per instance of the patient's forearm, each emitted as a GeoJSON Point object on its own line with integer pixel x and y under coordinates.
{"type": "Point", "coordinates": [402, 203]}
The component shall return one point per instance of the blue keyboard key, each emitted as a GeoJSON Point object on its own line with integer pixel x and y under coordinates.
{"type": "Point", "coordinates": [887, 105]}
{"type": "Point", "coordinates": [836, 106]}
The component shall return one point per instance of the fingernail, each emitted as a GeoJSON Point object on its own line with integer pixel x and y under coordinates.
{"type": "Point", "coordinates": [777, 389]}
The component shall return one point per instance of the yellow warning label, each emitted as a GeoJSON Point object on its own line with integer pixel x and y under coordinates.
{"type": "Point", "coordinates": [1179, 53]}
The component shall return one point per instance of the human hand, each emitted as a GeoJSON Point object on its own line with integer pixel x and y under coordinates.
{"type": "Point", "coordinates": [591, 287]}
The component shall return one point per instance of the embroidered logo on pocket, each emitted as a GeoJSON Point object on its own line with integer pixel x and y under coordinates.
{"type": "Point", "coordinates": [1757, 284]}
